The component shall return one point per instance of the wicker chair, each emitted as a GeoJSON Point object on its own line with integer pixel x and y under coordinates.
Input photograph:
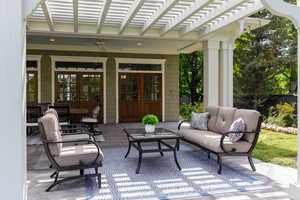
{"type": "Point", "coordinates": [68, 158]}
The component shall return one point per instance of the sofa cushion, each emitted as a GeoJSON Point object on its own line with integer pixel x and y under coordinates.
{"type": "Point", "coordinates": [213, 115]}
{"type": "Point", "coordinates": [74, 155]}
{"type": "Point", "coordinates": [199, 121]}
{"type": "Point", "coordinates": [52, 132]}
{"type": "Point", "coordinates": [211, 140]}
{"type": "Point", "coordinates": [251, 118]}
{"type": "Point", "coordinates": [237, 126]}
{"type": "Point", "coordinates": [225, 119]}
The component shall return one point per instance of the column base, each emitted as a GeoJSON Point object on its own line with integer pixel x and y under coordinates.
{"type": "Point", "coordinates": [294, 191]}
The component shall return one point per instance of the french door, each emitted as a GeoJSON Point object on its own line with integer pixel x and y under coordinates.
{"type": "Point", "coordinates": [79, 89]}
{"type": "Point", "coordinates": [139, 94]}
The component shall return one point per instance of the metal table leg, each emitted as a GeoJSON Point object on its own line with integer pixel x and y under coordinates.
{"type": "Point", "coordinates": [140, 158]}
{"type": "Point", "coordinates": [159, 147]}
{"type": "Point", "coordinates": [129, 148]}
{"type": "Point", "coordinates": [175, 155]}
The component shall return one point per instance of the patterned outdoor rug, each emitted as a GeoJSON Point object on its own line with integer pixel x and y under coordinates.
{"type": "Point", "coordinates": [160, 179]}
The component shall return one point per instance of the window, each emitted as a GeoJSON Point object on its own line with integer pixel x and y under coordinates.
{"type": "Point", "coordinates": [139, 67]}
{"type": "Point", "coordinates": [78, 65]}
{"type": "Point", "coordinates": [31, 64]}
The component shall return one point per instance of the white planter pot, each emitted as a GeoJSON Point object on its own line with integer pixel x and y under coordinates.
{"type": "Point", "coordinates": [149, 128]}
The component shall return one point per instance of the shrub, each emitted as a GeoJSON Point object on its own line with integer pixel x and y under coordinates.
{"type": "Point", "coordinates": [187, 109]}
{"type": "Point", "coordinates": [150, 119]}
{"type": "Point", "coordinates": [283, 115]}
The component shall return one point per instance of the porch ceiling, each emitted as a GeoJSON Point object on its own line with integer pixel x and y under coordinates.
{"type": "Point", "coordinates": [183, 20]}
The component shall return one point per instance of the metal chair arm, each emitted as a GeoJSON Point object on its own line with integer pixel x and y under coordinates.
{"type": "Point", "coordinates": [181, 122]}
{"type": "Point", "coordinates": [73, 141]}
{"type": "Point", "coordinates": [227, 134]}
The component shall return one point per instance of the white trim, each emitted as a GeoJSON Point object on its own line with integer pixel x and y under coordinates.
{"type": "Point", "coordinates": [80, 59]}
{"type": "Point", "coordinates": [140, 61]}
{"type": "Point", "coordinates": [38, 69]}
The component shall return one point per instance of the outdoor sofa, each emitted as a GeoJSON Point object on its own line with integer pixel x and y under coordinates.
{"type": "Point", "coordinates": [215, 140]}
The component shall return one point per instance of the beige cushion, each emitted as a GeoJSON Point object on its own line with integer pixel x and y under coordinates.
{"type": "Point", "coordinates": [73, 155]}
{"type": "Point", "coordinates": [213, 115]}
{"type": "Point", "coordinates": [225, 119]}
{"type": "Point", "coordinates": [53, 111]}
{"type": "Point", "coordinates": [89, 120]}
{"type": "Point", "coordinates": [52, 132]}
{"type": "Point", "coordinates": [211, 140]}
{"type": "Point", "coordinates": [75, 137]}
{"type": "Point", "coordinates": [251, 118]}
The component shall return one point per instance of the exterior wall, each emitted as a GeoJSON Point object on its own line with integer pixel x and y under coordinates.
{"type": "Point", "coordinates": [171, 78]}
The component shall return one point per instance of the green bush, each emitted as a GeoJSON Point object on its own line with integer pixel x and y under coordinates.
{"type": "Point", "coordinates": [283, 115]}
{"type": "Point", "coordinates": [187, 109]}
{"type": "Point", "coordinates": [150, 119]}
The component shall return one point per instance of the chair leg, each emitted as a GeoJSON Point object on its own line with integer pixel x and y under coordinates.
{"type": "Point", "coordinates": [53, 174]}
{"type": "Point", "coordinates": [54, 183]}
{"type": "Point", "coordinates": [98, 177]}
{"type": "Point", "coordinates": [251, 163]}
{"type": "Point", "coordinates": [208, 155]}
{"type": "Point", "coordinates": [82, 172]}
{"type": "Point", "coordinates": [220, 164]}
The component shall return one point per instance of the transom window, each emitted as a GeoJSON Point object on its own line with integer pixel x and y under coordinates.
{"type": "Point", "coordinates": [139, 67]}
{"type": "Point", "coordinates": [78, 65]}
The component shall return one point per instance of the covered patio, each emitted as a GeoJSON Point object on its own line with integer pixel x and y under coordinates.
{"type": "Point", "coordinates": [115, 32]}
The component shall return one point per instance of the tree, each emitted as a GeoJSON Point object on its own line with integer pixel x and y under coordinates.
{"type": "Point", "coordinates": [263, 58]}
{"type": "Point", "coordinates": [191, 75]}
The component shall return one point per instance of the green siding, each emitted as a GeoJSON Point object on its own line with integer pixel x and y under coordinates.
{"type": "Point", "coordinates": [171, 79]}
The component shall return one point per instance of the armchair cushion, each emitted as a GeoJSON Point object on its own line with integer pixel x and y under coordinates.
{"type": "Point", "coordinates": [52, 132]}
{"type": "Point", "coordinates": [89, 120]}
{"type": "Point", "coordinates": [211, 140]}
{"type": "Point", "coordinates": [74, 155]}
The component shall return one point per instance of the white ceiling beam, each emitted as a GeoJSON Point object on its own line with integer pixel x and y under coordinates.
{"type": "Point", "coordinates": [75, 13]}
{"type": "Point", "coordinates": [243, 13]}
{"type": "Point", "coordinates": [214, 14]}
{"type": "Point", "coordinates": [161, 12]}
{"type": "Point", "coordinates": [132, 12]}
{"type": "Point", "coordinates": [102, 16]}
{"type": "Point", "coordinates": [196, 7]}
{"type": "Point", "coordinates": [48, 15]}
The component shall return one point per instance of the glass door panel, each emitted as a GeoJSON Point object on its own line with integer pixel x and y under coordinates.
{"type": "Point", "coordinates": [32, 87]}
{"type": "Point", "coordinates": [129, 89]}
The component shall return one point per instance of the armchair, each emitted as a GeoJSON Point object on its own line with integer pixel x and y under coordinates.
{"type": "Point", "coordinates": [68, 158]}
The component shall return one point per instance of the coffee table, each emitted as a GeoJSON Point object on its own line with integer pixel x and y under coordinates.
{"type": "Point", "coordinates": [136, 137]}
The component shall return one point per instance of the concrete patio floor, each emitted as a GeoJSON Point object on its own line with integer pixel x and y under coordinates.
{"type": "Point", "coordinates": [276, 176]}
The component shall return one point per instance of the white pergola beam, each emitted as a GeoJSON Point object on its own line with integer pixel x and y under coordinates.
{"type": "Point", "coordinates": [196, 7]}
{"type": "Point", "coordinates": [255, 7]}
{"type": "Point", "coordinates": [132, 12]}
{"type": "Point", "coordinates": [214, 14]}
{"type": "Point", "coordinates": [48, 15]}
{"type": "Point", "coordinates": [30, 6]}
{"type": "Point", "coordinates": [102, 15]}
{"type": "Point", "coordinates": [75, 14]}
{"type": "Point", "coordinates": [161, 12]}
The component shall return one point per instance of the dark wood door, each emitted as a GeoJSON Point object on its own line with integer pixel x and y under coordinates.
{"type": "Point", "coordinates": [139, 94]}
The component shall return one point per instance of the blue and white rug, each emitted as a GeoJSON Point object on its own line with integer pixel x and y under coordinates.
{"type": "Point", "coordinates": [159, 178]}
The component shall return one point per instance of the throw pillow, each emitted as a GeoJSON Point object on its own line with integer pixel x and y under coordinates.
{"type": "Point", "coordinates": [237, 126]}
{"type": "Point", "coordinates": [199, 121]}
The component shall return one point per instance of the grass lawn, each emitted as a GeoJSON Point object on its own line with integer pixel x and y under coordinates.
{"type": "Point", "coordinates": [277, 148]}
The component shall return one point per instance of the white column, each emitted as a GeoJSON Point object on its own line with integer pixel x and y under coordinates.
{"type": "Point", "coordinates": [226, 74]}
{"type": "Point", "coordinates": [211, 72]}
{"type": "Point", "coordinates": [12, 101]}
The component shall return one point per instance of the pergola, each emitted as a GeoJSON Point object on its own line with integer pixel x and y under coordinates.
{"type": "Point", "coordinates": [188, 25]}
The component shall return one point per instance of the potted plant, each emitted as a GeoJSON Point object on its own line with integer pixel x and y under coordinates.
{"type": "Point", "coordinates": [150, 121]}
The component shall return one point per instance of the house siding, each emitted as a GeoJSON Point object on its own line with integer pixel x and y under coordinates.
{"type": "Point", "coordinates": [171, 79]}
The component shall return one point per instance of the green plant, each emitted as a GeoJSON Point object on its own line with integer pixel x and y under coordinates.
{"type": "Point", "coordinates": [187, 109]}
{"type": "Point", "coordinates": [150, 119]}
{"type": "Point", "coordinates": [283, 115]}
